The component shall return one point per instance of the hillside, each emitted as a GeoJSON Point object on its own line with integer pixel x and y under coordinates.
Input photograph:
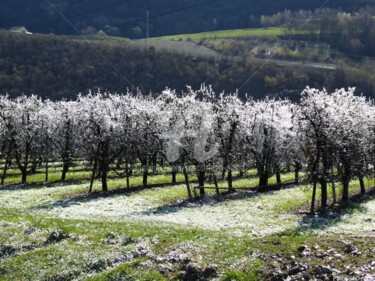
{"type": "Point", "coordinates": [252, 61]}
{"type": "Point", "coordinates": [60, 67]}
{"type": "Point", "coordinates": [167, 17]}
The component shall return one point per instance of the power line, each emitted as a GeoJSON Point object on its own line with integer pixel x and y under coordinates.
{"type": "Point", "coordinates": [82, 14]}
{"type": "Point", "coordinates": [33, 14]}
{"type": "Point", "coordinates": [171, 12]}
{"type": "Point", "coordinates": [93, 46]}
{"type": "Point", "coordinates": [184, 9]}
{"type": "Point", "coordinates": [127, 22]}
{"type": "Point", "coordinates": [288, 40]}
{"type": "Point", "coordinates": [147, 32]}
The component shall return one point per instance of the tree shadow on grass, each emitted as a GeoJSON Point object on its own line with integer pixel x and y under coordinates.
{"type": "Point", "coordinates": [39, 185]}
{"type": "Point", "coordinates": [173, 206]}
{"type": "Point", "coordinates": [333, 215]}
{"type": "Point", "coordinates": [214, 199]}
{"type": "Point", "coordinates": [78, 198]}
{"type": "Point", "coordinates": [83, 197]}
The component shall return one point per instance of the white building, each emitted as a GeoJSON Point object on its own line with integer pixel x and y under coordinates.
{"type": "Point", "coordinates": [19, 29]}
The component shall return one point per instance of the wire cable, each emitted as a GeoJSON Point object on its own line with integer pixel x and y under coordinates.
{"type": "Point", "coordinates": [81, 14]}
{"type": "Point", "coordinates": [288, 40]}
{"type": "Point", "coordinates": [34, 14]}
{"type": "Point", "coordinates": [127, 22]}
{"type": "Point", "coordinates": [171, 12]}
{"type": "Point", "coordinates": [93, 46]}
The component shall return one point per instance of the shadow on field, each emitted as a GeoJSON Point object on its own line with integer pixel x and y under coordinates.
{"type": "Point", "coordinates": [211, 200]}
{"type": "Point", "coordinates": [174, 206]}
{"type": "Point", "coordinates": [83, 179]}
{"type": "Point", "coordinates": [327, 217]}
{"type": "Point", "coordinates": [78, 198]}
{"type": "Point", "coordinates": [38, 185]}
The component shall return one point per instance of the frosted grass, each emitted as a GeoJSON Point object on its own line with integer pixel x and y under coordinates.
{"type": "Point", "coordinates": [255, 215]}
{"type": "Point", "coordinates": [258, 215]}
{"type": "Point", "coordinates": [361, 220]}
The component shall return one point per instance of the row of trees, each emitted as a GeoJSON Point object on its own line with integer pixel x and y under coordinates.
{"type": "Point", "coordinates": [330, 136]}
{"type": "Point", "coordinates": [352, 33]}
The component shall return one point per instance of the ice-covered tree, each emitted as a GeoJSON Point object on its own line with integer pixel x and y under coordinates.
{"type": "Point", "coordinates": [190, 136]}
{"type": "Point", "coordinates": [268, 130]}
{"type": "Point", "coordinates": [145, 131]}
{"type": "Point", "coordinates": [339, 137]}
{"type": "Point", "coordinates": [22, 120]}
{"type": "Point", "coordinates": [228, 111]}
{"type": "Point", "coordinates": [98, 122]}
{"type": "Point", "coordinates": [66, 136]}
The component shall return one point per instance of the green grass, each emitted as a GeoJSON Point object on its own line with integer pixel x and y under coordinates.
{"type": "Point", "coordinates": [235, 33]}
{"type": "Point", "coordinates": [86, 253]}
{"type": "Point", "coordinates": [127, 272]}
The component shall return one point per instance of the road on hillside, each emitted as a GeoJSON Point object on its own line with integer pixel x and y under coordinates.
{"type": "Point", "coordinates": [310, 64]}
{"type": "Point", "coordinates": [193, 49]}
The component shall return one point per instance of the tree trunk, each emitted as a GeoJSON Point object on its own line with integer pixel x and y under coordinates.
{"type": "Point", "coordinates": [223, 171]}
{"type": "Point", "coordinates": [296, 173]}
{"type": "Point", "coordinates": [263, 180]}
{"type": "Point", "coordinates": [346, 174]}
{"type": "Point", "coordinates": [216, 185]}
{"type": "Point", "coordinates": [230, 180]}
{"type": "Point", "coordinates": [362, 184]}
{"type": "Point", "coordinates": [24, 176]}
{"type": "Point", "coordinates": [64, 171]}
{"type": "Point", "coordinates": [46, 179]}
{"type": "Point", "coordinates": [315, 179]}
{"type": "Point", "coordinates": [66, 156]}
{"type": "Point", "coordinates": [34, 164]}
{"type": "Point", "coordinates": [104, 180]}
{"type": "Point", "coordinates": [241, 173]}
{"type": "Point", "coordinates": [93, 174]}
{"type": "Point", "coordinates": [95, 167]}
{"type": "Point", "coordinates": [119, 163]}
{"type": "Point", "coordinates": [278, 177]}
{"type": "Point", "coordinates": [187, 184]}
{"type": "Point", "coordinates": [145, 176]}
{"type": "Point", "coordinates": [46, 159]}
{"type": "Point", "coordinates": [4, 172]}
{"type": "Point", "coordinates": [154, 165]}
{"type": "Point", "coordinates": [7, 161]}
{"type": "Point", "coordinates": [201, 178]}
{"type": "Point", "coordinates": [345, 192]}
{"type": "Point", "coordinates": [174, 174]}
{"type": "Point", "coordinates": [127, 173]}
{"type": "Point", "coordinates": [323, 185]}
{"type": "Point", "coordinates": [334, 196]}
{"type": "Point", "coordinates": [312, 209]}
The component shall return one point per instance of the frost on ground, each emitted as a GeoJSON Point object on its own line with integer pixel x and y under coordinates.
{"type": "Point", "coordinates": [356, 220]}
{"type": "Point", "coordinates": [254, 215]}
{"type": "Point", "coordinates": [258, 214]}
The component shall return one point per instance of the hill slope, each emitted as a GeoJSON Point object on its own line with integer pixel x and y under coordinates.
{"type": "Point", "coordinates": [128, 18]}
{"type": "Point", "coordinates": [59, 67]}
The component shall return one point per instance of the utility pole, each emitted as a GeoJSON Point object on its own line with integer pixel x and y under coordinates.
{"type": "Point", "coordinates": [147, 29]}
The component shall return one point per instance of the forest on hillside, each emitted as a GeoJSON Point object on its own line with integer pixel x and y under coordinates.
{"type": "Point", "coordinates": [57, 67]}
{"type": "Point", "coordinates": [128, 18]}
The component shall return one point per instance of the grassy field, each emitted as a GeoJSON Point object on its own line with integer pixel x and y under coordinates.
{"type": "Point", "coordinates": [236, 33]}
{"type": "Point", "coordinates": [56, 231]}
